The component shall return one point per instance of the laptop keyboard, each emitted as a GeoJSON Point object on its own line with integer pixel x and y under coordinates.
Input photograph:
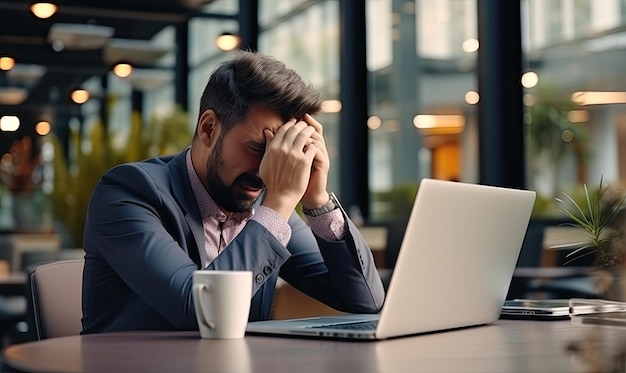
{"type": "Point", "coordinates": [363, 325]}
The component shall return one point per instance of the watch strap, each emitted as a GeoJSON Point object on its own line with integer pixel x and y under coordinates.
{"type": "Point", "coordinates": [331, 205]}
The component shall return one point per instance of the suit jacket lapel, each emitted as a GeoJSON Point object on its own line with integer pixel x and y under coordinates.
{"type": "Point", "coordinates": [181, 188]}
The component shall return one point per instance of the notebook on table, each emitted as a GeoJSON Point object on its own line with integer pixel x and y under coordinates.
{"type": "Point", "coordinates": [453, 270]}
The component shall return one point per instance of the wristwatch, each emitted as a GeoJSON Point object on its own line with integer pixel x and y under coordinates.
{"type": "Point", "coordinates": [331, 205]}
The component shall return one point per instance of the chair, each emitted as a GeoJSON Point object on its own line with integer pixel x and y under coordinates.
{"type": "Point", "coordinates": [35, 258]}
{"type": "Point", "coordinates": [54, 295]}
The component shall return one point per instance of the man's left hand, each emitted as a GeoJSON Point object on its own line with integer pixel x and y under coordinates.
{"type": "Point", "coordinates": [316, 194]}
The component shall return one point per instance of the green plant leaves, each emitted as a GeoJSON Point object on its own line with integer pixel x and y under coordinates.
{"type": "Point", "coordinates": [597, 217]}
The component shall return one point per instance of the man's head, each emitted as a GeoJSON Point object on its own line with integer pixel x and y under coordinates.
{"type": "Point", "coordinates": [245, 95]}
{"type": "Point", "coordinates": [252, 78]}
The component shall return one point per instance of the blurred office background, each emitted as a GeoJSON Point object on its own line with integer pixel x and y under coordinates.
{"type": "Point", "coordinates": [526, 94]}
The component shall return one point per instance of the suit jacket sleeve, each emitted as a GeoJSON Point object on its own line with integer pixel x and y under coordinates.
{"type": "Point", "coordinates": [341, 274]}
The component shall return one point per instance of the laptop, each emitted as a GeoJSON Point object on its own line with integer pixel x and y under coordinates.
{"type": "Point", "coordinates": [453, 270]}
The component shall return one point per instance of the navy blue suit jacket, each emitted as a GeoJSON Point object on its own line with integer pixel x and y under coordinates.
{"type": "Point", "coordinates": [141, 241]}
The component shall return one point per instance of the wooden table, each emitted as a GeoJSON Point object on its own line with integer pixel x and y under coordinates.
{"type": "Point", "coordinates": [505, 346]}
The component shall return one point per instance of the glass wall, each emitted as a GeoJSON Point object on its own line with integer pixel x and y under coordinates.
{"type": "Point", "coordinates": [576, 109]}
{"type": "Point", "coordinates": [421, 58]}
{"type": "Point", "coordinates": [422, 85]}
{"type": "Point", "coordinates": [305, 35]}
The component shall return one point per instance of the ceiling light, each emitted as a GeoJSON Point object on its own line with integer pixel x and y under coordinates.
{"type": "Point", "coordinates": [137, 52]}
{"type": "Point", "coordinates": [439, 124]}
{"type": "Point", "coordinates": [472, 97]}
{"type": "Point", "coordinates": [79, 36]}
{"type": "Point", "coordinates": [578, 116]}
{"type": "Point", "coordinates": [57, 45]}
{"type": "Point", "coordinates": [598, 98]}
{"type": "Point", "coordinates": [43, 128]}
{"type": "Point", "coordinates": [331, 106]}
{"type": "Point", "coordinates": [147, 79]}
{"type": "Point", "coordinates": [9, 123]}
{"type": "Point", "coordinates": [26, 74]}
{"type": "Point", "coordinates": [530, 79]}
{"type": "Point", "coordinates": [6, 63]}
{"type": "Point", "coordinates": [43, 9]}
{"type": "Point", "coordinates": [80, 96]}
{"type": "Point", "coordinates": [529, 99]}
{"type": "Point", "coordinates": [122, 70]}
{"type": "Point", "coordinates": [228, 42]}
{"type": "Point", "coordinates": [470, 45]}
{"type": "Point", "coordinates": [12, 95]}
{"type": "Point", "coordinates": [374, 122]}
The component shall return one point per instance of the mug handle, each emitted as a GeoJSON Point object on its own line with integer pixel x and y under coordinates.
{"type": "Point", "coordinates": [197, 290]}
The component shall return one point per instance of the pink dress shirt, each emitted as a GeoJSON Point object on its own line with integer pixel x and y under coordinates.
{"type": "Point", "coordinates": [220, 229]}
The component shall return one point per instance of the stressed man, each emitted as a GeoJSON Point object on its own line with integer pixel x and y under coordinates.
{"type": "Point", "coordinates": [226, 203]}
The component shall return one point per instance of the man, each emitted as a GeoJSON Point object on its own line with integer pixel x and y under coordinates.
{"type": "Point", "coordinates": [226, 203]}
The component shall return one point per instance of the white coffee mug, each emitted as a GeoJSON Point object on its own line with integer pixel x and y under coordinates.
{"type": "Point", "coordinates": [222, 302]}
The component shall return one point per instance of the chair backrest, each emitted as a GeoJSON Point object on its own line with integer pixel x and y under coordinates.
{"type": "Point", "coordinates": [55, 298]}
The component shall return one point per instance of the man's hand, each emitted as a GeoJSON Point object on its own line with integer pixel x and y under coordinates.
{"type": "Point", "coordinates": [316, 194]}
{"type": "Point", "coordinates": [285, 169]}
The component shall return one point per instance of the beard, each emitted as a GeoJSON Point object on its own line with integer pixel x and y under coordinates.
{"type": "Point", "coordinates": [230, 197]}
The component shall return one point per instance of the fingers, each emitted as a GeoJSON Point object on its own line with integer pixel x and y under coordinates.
{"type": "Point", "coordinates": [269, 135]}
{"type": "Point", "coordinates": [294, 135]}
{"type": "Point", "coordinates": [314, 123]}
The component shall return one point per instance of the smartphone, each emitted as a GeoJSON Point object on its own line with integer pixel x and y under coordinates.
{"type": "Point", "coordinates": [536, 309]}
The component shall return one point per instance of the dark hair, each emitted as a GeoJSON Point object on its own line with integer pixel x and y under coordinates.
{"type": "Point", "coordinates": [251, 77]}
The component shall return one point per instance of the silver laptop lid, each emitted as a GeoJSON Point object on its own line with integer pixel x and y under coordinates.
{"type": "Point", "coordinates": [457, 257]}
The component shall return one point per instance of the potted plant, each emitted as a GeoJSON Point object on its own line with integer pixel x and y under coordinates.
{"type": "Point", "coordinates": [602, 215]}
{"type": "Point", "coordinates": [74, 179]}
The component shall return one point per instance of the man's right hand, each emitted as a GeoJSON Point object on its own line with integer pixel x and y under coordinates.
{"type": "Point", "coordinates": [286, 165]}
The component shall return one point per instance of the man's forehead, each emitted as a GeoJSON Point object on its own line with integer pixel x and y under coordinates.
{"type": "Point", "coordinates": [253, 130]}
{"type": "Point", "coordinates": [257, 120]}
